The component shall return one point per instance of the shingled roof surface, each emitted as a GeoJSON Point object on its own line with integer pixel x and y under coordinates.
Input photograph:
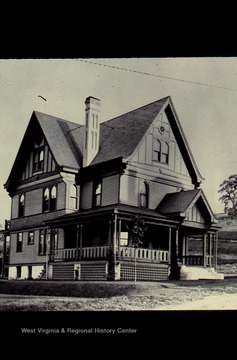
{"type": "Point", "coordinates": [65, 139]}
{"type": "Point", "coordinates": [177, 202]}
{"type": "Point", "coordinates": [120, 136]}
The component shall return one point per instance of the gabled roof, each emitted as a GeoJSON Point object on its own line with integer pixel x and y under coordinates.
{"type": "Point", "coordinates": [178, 203]}
{"type": "Point", "coordinates": [64, 138]}
{"type": "Point", "coordinates": [64, 143]}
{"type": "Point", "coordinates": [120, 136]}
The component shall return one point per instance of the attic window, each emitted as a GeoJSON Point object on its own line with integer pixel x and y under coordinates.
{"type": "Point", "coordinates": [161, 151]}
{"type": "Point", "coordinates": [157, 150]}
{"type": "Point", "coordinates": [38, 162]}
{"type": "Point", "coordinates": [165, 153]}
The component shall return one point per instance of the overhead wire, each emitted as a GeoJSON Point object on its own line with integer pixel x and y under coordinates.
{"type": "Point", "coordinates": [156, 75]}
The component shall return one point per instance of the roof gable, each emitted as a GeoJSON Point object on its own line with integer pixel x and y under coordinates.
{"type": "Point", "coordinates": [120, 136]}
{"type": "Point", "coordinates": [62, 142]}
{"type": "Point", "coordinates": [181, 204]}
{"type": "Point", "coordinates": [65, 139]}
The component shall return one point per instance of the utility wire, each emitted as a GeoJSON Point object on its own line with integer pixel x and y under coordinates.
{"type": "Point", "coordinates": [156, 75]}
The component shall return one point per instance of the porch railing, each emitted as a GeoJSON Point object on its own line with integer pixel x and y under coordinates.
{"type": "Point", "coordinates": [198, 260]}
{"type": "Point", "coordinates": [102, 251]}
{"type": "Point", "coordinates": [145, 254]}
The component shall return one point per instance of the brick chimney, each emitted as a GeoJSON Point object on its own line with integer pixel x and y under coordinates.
{"type": "Point", "coordinates": [92, 130]}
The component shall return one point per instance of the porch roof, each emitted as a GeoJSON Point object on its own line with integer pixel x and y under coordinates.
{"type": "Point", "coordinates": [123, 211]}
{"type": "Point", "coordinates": [178, 203]}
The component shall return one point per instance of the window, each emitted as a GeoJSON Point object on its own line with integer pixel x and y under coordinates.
{"type": "Point", "coordinates": [161, 151]}
{"type": "Point", "coordinates": [38, 163]}
{"type": "Point", "coordinates": [157, 150]}
{"type": "Point", "coordinates": [144, 194]}
{"type": "Point", "coordinates": [97, 193]}
{"type": "Point", "coordinates": [21, 205]}
{"type": "Point", "coordinates": [19, 242]}
{"type": "Point", "coordinates": [46, 200]}
{"type": "Point", "coordinates": [30, 238]}
{"type": "Point", "coordinates": [42, 242]}
{"type": "Point", "coordinates": [73, 197]}
{"type": "Point", "coordinates": [165, 153]}
{"type": "Point", "coordinates": [49, 199]}
{"type": "Point", "coordinates": [53, 196]}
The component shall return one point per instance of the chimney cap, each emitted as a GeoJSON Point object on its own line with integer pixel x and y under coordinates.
{"type": "Point", "coordinates": [91, 98]}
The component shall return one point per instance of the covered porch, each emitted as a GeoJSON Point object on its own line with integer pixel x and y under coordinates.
{"type": "Point", "coordinates": [102, 235]}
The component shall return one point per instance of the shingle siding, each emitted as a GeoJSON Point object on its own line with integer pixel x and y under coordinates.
{"type": "Point", "coordinates": [110, 190]}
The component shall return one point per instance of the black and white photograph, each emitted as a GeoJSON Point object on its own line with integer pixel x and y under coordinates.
{"type": "Point", "coordinates": [118, 188]}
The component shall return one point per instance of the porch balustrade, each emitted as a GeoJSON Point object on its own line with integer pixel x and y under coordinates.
{"type": "Point", "coordinates": [100, 252]}
{"type": "Point", "coordinates": [198, 260]}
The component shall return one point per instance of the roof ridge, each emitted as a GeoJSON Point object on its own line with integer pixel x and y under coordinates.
{"type": "Point", "coordinates": [136, 109]}
{"type": "Point", "coordinates": [56, 117]}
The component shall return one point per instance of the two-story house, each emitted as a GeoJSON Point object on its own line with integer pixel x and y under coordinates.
{"type": "Point", "coordinates": [75, 189]}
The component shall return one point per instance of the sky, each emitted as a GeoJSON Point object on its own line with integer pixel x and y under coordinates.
{"type": "Point", "coordinates": [203, 91]}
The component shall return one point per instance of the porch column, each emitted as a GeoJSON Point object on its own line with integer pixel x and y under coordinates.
{"type": "Point", "coordinates": [204, 249]}
{"type": "Point", "coordinates": [115, 237]}
{"type": "Point", "coordinates": [184, 250]}
{"type": "Point", "coordinates": [48, 250]}
{"type": "Point", "coordinates": [119, 234]}
{"type": "Point", "coordinates": [52, 246]}
{"type": "Point", "coordinates": [80, 241]}
{"type": "Point", "coordinates": [215, 242]}
{"type": "Point", "coordinates": [175, 269]}
{"type": "Point", "coordinates": [169, 245]}
{"type": "Point", "coordinates": [77, 242]}
{"type": "Point", "coordinates": [177, 243]}
{"type": "Point", "coordinates": [210, 250]}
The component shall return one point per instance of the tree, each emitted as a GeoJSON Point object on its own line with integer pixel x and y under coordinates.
{"type": "Point", "coordinates": [137, 231]}
{"type": "Point", "coordinates": [228, 189]}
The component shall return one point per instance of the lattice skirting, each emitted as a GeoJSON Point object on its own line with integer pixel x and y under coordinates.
{"type": "Point", "coordinates": [87, 271]}
{"type": "Point", "coordinates": [148, 272]}
{"type": "Point", "coordinates": [98, 270]}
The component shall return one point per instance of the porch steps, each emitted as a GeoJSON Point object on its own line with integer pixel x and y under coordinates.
{"type": "Point", "coordinates": [199, 273]}
{"type": "Point", "coordinates": [42, 275]}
